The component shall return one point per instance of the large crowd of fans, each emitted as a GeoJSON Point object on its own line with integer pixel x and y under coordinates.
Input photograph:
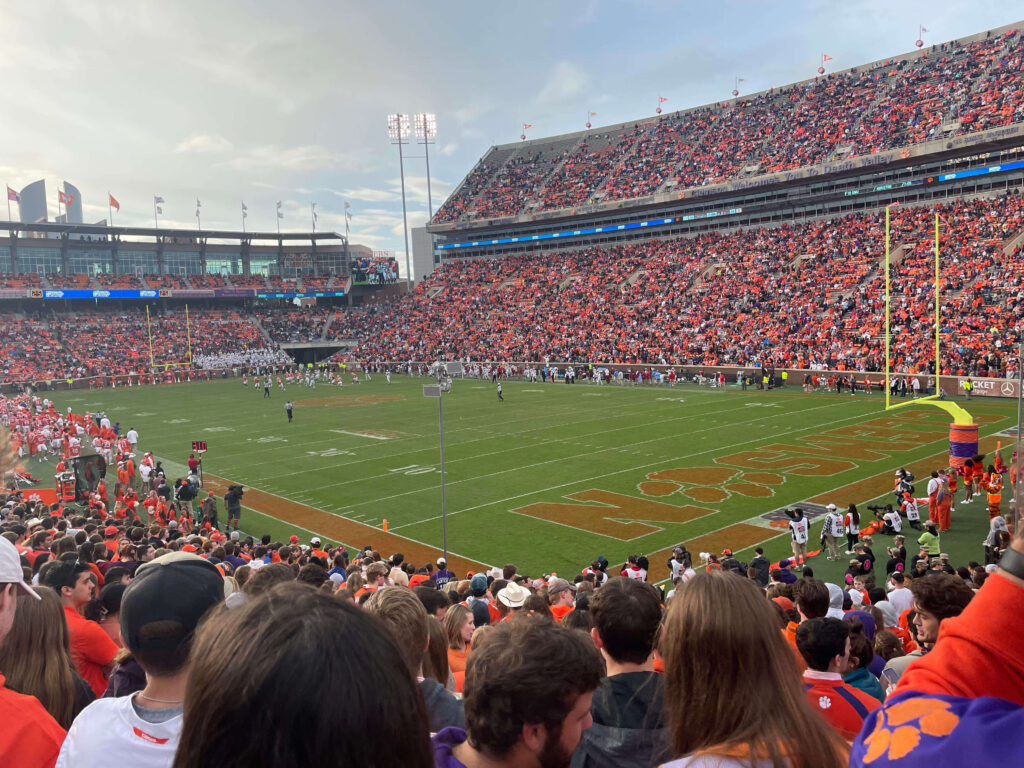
{"type": "Point", "coordinates": [801, 295]}
{"type": "Point", "coordinates": [950, 89]}
{"type": "Point", "coordinates": [146, 628]}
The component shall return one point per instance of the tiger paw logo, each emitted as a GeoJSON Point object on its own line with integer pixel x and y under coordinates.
{"type": "Point", "coordinates": [824, 702]}
{"type": "Point", "coordinates": [711, 484]}
{"type": "Point", "coordinates": [900, 727]}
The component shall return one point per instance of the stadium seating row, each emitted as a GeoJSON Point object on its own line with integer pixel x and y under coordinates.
{"type": "Point", "coordinates": [949, 90]}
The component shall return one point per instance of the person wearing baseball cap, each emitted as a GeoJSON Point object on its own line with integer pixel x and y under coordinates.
{"type": "Point", "coordinates": [160, 612]}
{"type": "Point", "coordinates": [562, 596]}
{"type": "Point", "coordinates": [442, 575]}
{"type": "Point", "coordinates": [29, 736]}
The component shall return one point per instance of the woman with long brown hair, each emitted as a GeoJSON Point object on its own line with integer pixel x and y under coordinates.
{"type": "Point", "coordinates": [459, 626]}
{"type": "Point", "coordinates": [257, 672]}
{"type": "Point", "coordinates": [733, 691]}
{"type": "Point", "coordinates": [36, 658]}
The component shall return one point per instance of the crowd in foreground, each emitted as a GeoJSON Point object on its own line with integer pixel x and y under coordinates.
{"type": "Point", "coordinates": [131, 641]}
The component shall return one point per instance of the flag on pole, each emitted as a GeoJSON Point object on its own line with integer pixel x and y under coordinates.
{"type": "Point", "coordinates": [312, 207]}
{"type": "Point", "coordinates": [159, 209]}
{"type": "Point", "coordinates": [593, 114]}
{"type": "Point", "coordinates": [347, 206]}
{"type": "Point", "coordinates": [244, 206]}
{"type": "Point", "coordinates": [198, 203]}
{"type": "Point", "coordinates": [826, 57]}
{"type": "Point", "coordinates": [923, 29]}
{"type": "Point", "coordinates": [12, 195]}
{"type": "Point", "coordinates": [662, 99]}
{"type": "Point", "coordinates": [279, 214]}
{"type": "Point", "coordinates": [527, 125]}
{"type": "Point", "coordinates": [65, 198]}
{"type": "Point", "coordinates": [113, 203]}
{"type": "Point", "coordinates": [157, 199]}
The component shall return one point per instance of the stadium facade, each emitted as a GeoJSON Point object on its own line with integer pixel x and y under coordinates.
{"type": "Point", "coordinates": [954, 161]}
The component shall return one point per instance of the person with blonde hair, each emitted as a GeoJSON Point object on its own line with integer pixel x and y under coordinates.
{"type": "Point", "coordinates": [404, 616]}
{"type": "Point", "coordinates": [733, 692]}
{"type": "Point", "coordinates": [36, 658]}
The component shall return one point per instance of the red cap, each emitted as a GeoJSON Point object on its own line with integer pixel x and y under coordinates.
{"type": "Point", "coordinates": [294, 538]}
{"type": "Point", "coordinates": [785, 602]}
{"type": "Point", "coordinates": [110, 530]}
{"type": "Point", "coordinates": [189, 548]}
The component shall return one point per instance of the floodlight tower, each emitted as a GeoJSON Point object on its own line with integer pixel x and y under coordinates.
{"type": "Point", "coordinates": [426, 132]}
{"type": "Point", "coordinates": [398, 132]}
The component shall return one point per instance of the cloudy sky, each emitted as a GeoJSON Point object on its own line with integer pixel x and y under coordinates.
{"type": "Point", "coordinates": [259, 101]}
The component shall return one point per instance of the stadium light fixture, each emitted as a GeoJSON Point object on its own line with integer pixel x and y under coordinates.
{"type": "Point", "coordinates": [398, 132]}
{"type": "Point", "coordinates": [426, 132]}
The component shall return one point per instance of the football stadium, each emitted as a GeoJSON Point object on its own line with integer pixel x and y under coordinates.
{"type": "Point", "coordinates": [629, 380]}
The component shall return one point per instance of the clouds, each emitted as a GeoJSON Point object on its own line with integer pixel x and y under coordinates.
{"type": "Point", "coordinates": [205, 143]}
{"type": "Point", "coordinates": [265, 101]}
{"type": "Point", "coordinates": [568, 82]}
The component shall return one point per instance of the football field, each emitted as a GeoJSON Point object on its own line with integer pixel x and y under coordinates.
{"type": "Point", "coordinates": [555, 475]}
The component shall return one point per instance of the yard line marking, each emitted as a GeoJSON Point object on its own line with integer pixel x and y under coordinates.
{"type": "Point", "coordinates": [773, 436]}
{"type": "Point", "coordinates": [360, 434]}
{"type": "Point", "coordinates": [541, 414]}
{"type": "Point", "coordinates": [546, 442]}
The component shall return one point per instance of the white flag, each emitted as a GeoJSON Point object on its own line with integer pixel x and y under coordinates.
{"type": "Point", "coordinates": [157, 199]}
{"type": "Point", "coordinates": [347, 206]}
{"type": "Point", "coordinates": [245, 215]}
{"type": "Point", "coordinates": [280, 215]}
{"type": "Point", "coordinates": [244, 207]}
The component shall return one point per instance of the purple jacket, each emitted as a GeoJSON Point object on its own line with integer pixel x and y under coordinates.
{"type": "Point", "coordinates": [443, 744]}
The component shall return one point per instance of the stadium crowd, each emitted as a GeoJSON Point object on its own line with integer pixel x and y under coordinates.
{"type": "Point", "coordinates": [949, 89]}
{"type": "Point", "coordinates": [801, 295]}
{"type": "Point", "coordinates": [150, 633]}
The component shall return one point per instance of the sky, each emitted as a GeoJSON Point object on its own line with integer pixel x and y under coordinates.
{"type": "Point", "coordinates": [256, 101]}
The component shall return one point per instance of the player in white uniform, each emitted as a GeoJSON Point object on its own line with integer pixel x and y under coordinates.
{"type": "Point", "coordinates": [799, 529]}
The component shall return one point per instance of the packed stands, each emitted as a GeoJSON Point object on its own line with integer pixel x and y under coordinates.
{"type": "Point", "coordinates": [948, 90]}
{"type": "Point", "coordinates": [802, 295]}
{"type": "Point", "coordinates": [290, 326]}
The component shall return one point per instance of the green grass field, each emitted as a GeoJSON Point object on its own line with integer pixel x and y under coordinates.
{"type": "Point", "coordinates": [647, 467]}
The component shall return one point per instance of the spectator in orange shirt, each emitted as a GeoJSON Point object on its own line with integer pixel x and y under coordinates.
{"type": "Point", "coordinates": [459, 626]}
{"type": "Point", "coordinates": [825, 645]}
{"type": "Point", "coordinates": [91, 649]}
{"type": "Point", "coordinates": [562, 595]}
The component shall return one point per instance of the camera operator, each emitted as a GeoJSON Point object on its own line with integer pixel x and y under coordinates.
{"type": "Point", "coordinates": [892, 524]}
{"type": "Point", "coordinates": [233, 503]}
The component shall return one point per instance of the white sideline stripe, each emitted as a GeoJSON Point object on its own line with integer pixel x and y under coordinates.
{"type": "Point", "coordinates": [377, 460]}
{"type": "Point", "coordinates": [546, 442]}
{"type": "Point", "coordinates": [356, 434]}
{"type": "Point", "coordinates": [372, 529]}
{"type": "Point", "coordinates": [616, 472]}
